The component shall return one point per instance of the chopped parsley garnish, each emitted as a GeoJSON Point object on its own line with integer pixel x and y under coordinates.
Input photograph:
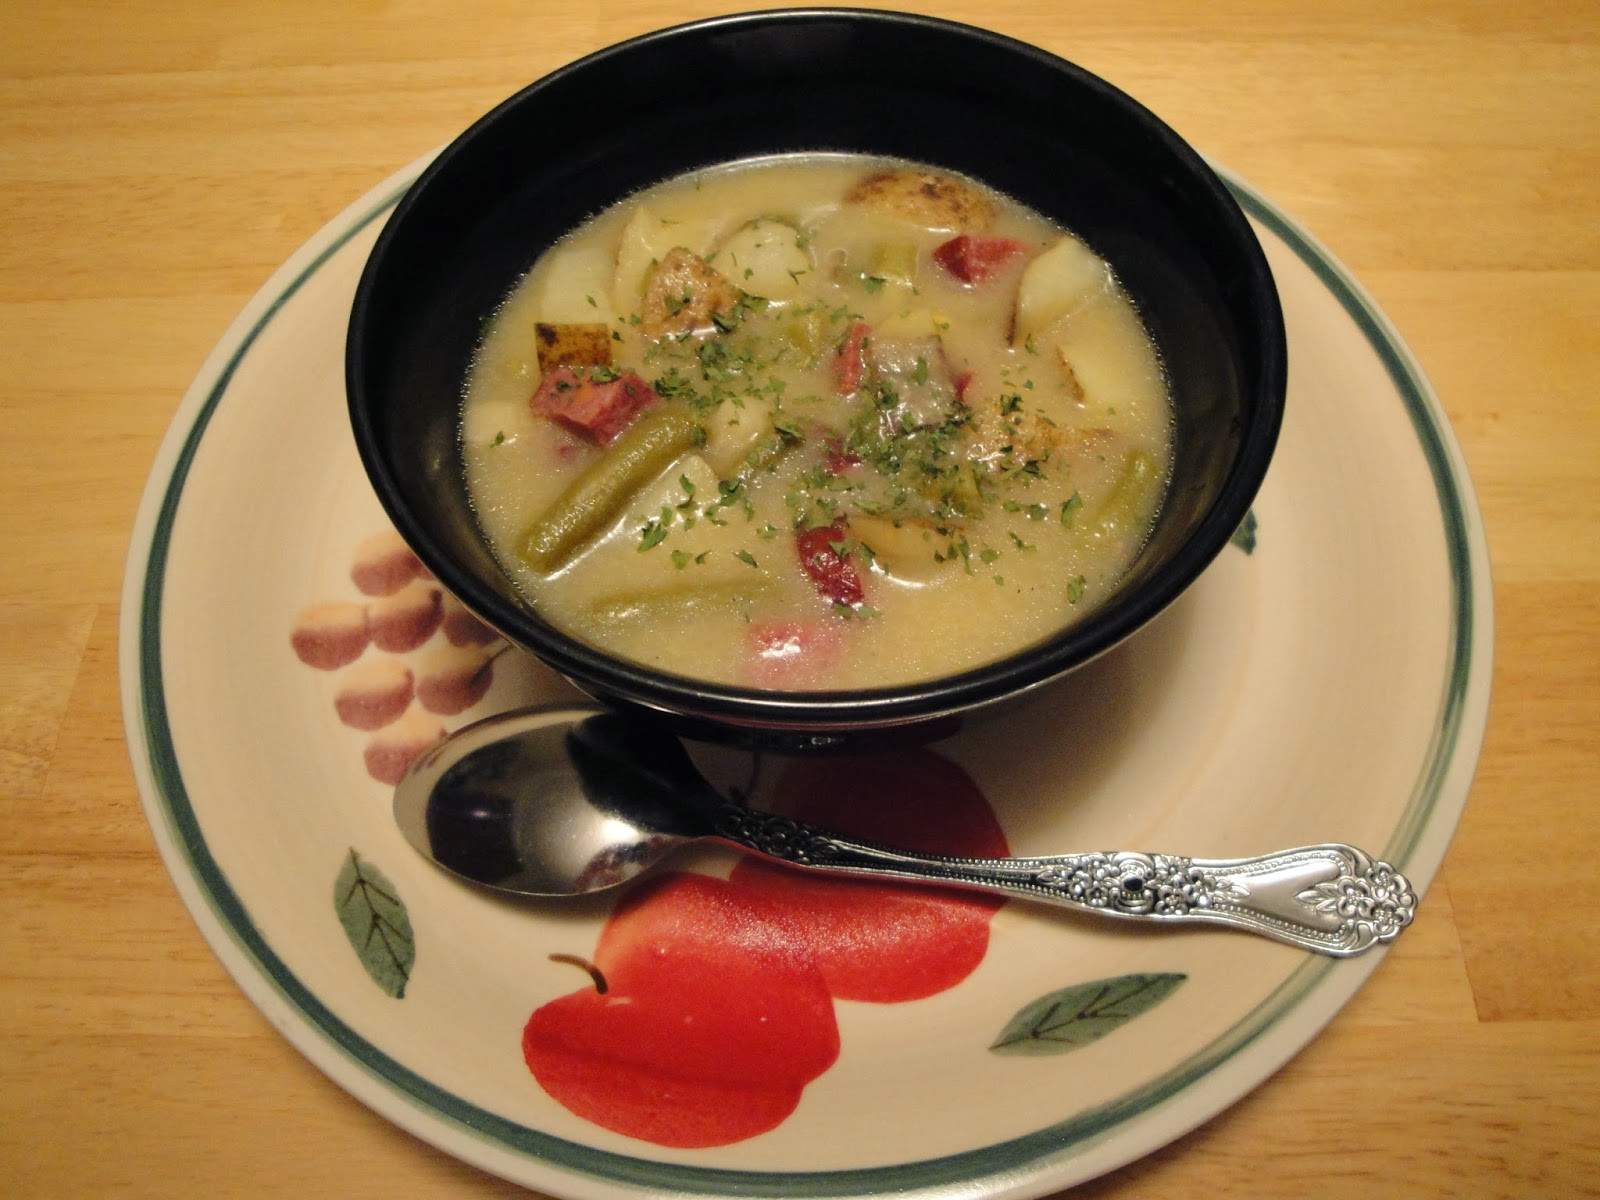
{"type": "Point", "coordinates": [925, 450]}
{"type": "Point", "coordinates": [673, 384]}
{"type": "Point", "coordinates": [653, 534]}
{"type": "Point", "coordinates": [1069, 509]}
{"type": "Point", "coordinates": [850, 612]}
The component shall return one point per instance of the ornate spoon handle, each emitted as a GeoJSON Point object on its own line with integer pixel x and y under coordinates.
{"type": "Point", "coordinates": [1332, 899]}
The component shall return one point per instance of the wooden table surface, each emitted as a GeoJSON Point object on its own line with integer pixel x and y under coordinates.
{"type": "Point", "coordinates": [158, 161]}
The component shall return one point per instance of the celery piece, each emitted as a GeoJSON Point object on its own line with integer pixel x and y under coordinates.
{"type": "Point", "coordinates": [770, 449]}
{"type": "Point", "coordinates": [1132, 498]}
{"type": "Point", "coordinates": [805, 330]}
{"type": "Point", "coordinates": [895, 260]}
{"type": "Point", "coordinates": [595, 498]}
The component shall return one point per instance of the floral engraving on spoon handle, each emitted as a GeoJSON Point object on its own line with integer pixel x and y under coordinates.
{"type": "Point", "coordinates": [779, 837]}
{"type": "Point", "coordinates": [1333, 899]}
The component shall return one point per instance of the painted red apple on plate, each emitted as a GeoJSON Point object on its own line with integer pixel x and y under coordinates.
{"type": "Point", "coordinates": [877, 941]}
{"type": "Point", "coordinates": [712, 1020]}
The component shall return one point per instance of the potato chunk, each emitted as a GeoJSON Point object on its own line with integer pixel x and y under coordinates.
{"type": "Point", "coordinates": [576, 286]}
{"type": "Point", "coordinates": [1055, 283]}
{"type": "Point", "coordinates": [683, 295]}
{"type": "Point", "coordinates": [646, 240]}
{"type": "Point", "coordinates": [766, 257]}
{"type": "Point", "coordinates": [916, 373]}
{"type": "Point", "coordinates": [566, 344]}
{"type": "Point", "coordinates": [732, 433]}
{"type": "Point", "coordinates": [908, 549]}
{"type": "Point", "coordinates": [1002, 430]}
{"type": "Point", "coordinates": [924, 198]}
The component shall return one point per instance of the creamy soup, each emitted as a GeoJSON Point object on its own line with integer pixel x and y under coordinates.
{"type": "Point", "coordinates": [815, 423]}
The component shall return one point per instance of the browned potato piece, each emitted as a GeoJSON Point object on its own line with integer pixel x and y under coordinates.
{"type": "Point", "coordinates": [994, 434]}
{"type": "Point", "coordinates": [997, 436]}
{"type": "Point", "coordinates": [682, 294]}
{"type": "Point", "coordinates": [570, 345]}
{"type": "Point", "coordinates": [908, 548]}
{"type": "Point", "coordinates": [935, 201]}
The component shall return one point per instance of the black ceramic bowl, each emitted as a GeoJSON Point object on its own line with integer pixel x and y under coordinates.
{"type": "Point", "coordinates": [1032, 125]}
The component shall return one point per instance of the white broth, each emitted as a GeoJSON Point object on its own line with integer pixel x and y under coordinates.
{"type": "Point", "coordinates": [816, 422]}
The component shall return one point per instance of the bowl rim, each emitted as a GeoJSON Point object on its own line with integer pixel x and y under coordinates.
{"type": "Point", "coordinates": [907, 704]}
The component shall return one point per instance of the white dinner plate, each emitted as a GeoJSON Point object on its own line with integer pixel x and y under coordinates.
{"type": "Point", "coordinates": [1325, 680]}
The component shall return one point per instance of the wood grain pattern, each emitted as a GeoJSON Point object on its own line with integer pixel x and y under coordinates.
{"type": "Point", "coordinates": [158, 161]}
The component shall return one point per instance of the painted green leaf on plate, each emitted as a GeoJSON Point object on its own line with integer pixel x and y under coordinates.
{"type": "Point", "coordinates": [1083, 1013]}
{"type": "Point", "coordinates": [1244, 537]}
{"type": "Point", "coordinates": [375, 921]}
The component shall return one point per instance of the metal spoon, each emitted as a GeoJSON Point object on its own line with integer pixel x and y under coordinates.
{"type": "Point", "coordinates": [569, 800]}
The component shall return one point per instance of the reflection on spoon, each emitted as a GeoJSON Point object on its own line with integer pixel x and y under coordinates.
{"type": "Point", "coordinates": [563, 801]}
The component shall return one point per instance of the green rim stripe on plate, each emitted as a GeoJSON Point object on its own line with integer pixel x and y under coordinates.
{"type": "Point", "coordinates": [1426, 423]}
{"type": "Point", "coordinates": [1008, 1157]}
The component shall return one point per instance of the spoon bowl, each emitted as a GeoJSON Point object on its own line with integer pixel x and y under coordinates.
{"type": "Point", "coordinates": [564, 801]}
{"type": "Point", "coordinates": [554, 801]}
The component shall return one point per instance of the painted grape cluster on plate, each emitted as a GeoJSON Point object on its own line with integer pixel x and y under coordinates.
{"type": "Point", "coordinates": [430, 658]}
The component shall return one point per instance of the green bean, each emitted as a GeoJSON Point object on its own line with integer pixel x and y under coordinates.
{"type": "Point", "coordinates": [660, 603]}
{"type": "Point", "coordinates": [595, 498]}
